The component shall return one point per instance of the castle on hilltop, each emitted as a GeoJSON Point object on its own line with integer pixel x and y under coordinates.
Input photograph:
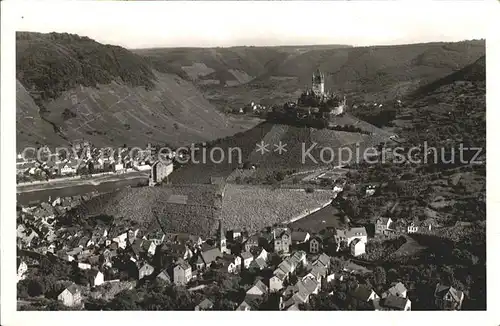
{"type": "Point", "coordinates": [316, 97]}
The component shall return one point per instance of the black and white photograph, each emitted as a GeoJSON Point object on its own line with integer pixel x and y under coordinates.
{"type": "Point", "coordinates": [246, 156]}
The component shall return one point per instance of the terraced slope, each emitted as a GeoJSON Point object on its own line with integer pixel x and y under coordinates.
{"type": "Point", "coordinates": [31, 128]}
{"type": "Point", "coordinates": [298, 141]}
{"type": "Point", "coordinates": [196, 208]}
{"type": "Point", "coordinates": [255, 207]}
{"type": "Point", "coordinates": [82, 89]}
{"type": "Point", "coordinates": [190, 208]}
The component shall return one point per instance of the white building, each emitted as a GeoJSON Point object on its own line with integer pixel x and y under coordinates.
{"type": "Point", "coordinates": [159, 171]}
{"type": "Point", "coordinates": [357, 247]}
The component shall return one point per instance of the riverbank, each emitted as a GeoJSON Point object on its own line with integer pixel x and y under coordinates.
{"type": "Point", "coordinates": [34, 196]}
{"type": "Point", "coordinates": [78, 181]}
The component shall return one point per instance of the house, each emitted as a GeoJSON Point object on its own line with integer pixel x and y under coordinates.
{"type": "Point", "coordinates": [323, 261]}
{"type": "Point", "coordinates": [286, 267]}
{"type": "Point", "coordinates": [357, 247]}
{"type": "Point", "coordinates": [107, 256]}
{"type": "Point", "coordinates": [300, 237]}
{"type": "Point", "coordinates": [22, 268]}
{"type": "Point", "coordinates": [276, 282]}
{"type": "Point", "coordinates": [253, 241]}
{"type": "Point", "coordinates": [282, 241]}
{"type": "Point", "coordinates": [412, 228]}
{"type": "Point", "coordinates": [246, 259]}
{"type": "Point", "coordinates": [259, 253]}
{"type": "Point", "coordinates": [118, 167]}
{"type": "Point", "coordinates": [448, 298]}
{"type": "Point", "coordinates": [293, 307]}
{"type": "Point", "coordinates": [302, 257]}
{"type": "Point", "coordinates": [308, 286]}
{"type": "Point", "coordinates": [164, 276]}
{"type": "Point", "coordinates": [364, 293]}
{"type": "Point", "coordinates": [346, 236]}
{"type": "Point", "coordinates": [259, 289]}
{"type": "Point", "coordinates": [188, 239]}
{"type": "Point", "coordinates": [228, 266]}
{"type": "Point", "coordinates": [85, 242]}
{"type": "Point", "coordinates": [199, 263]}
{"type": "Point", "coordinates": [96, 277]}
{"type": "Point", "coordinates": [145, 270]}
{"type": "Point", "coordinates": [99, 234]}
{"type": "Point", "coordinates": [67, 168]}
{"type": "Point", "coordinates": [204, 305]}
{"type": "Point", "coordinates": [392, 302]}
{"type": "Point", "coordinates": [121, 240]}
{"type": "Point", "coordinates": [84, 266]}
{"type": "Point", "coordinates": [315, 244]}
{"type": "Point", "coordinates": [71, 296]}
{"type": "Point", "coordinates": [234, 234]}
{"type": "Point", "coordinates": [299, 297]}
{"type": "Point", "coordinates": [177, 251]}
{"type": "Point", "coordinates": [317, 273]}
{"type": "Point", "coordinates": [160, 170]}
{"type": "Point", "coordinates": [182, 273]}
{"type": "Point", "coordinates": [244, 306]}
{"type": "Point", "coordinates": [330, 278]}
{"type": "Point", "coordinates": [209, 256]}
{"type": "Point", "coordinates": [382, 224]}
{"type": "Point", "coordinates": [157, 237]}
{"type": "Point", "coordinates": [132, 234]}
{"type": "Point", "coordinates": [258, 264]}
{"type": "Point", "coordinates": [398, 290]}
{"type": "Point", "coordinates": [235, 260]}
{"type": "Point", "coordinates": [149, 247]}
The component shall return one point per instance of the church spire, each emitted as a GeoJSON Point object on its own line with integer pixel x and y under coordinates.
{"type": "Point", "coordinates": [221, 238]}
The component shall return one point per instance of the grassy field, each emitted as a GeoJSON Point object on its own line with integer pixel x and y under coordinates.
{"type": "Point", "coordinates": [255, 207]}
{"type": "Point", "coordinates": [319, 220]}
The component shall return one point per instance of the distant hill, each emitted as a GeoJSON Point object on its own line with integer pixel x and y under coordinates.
{"type": "Point", "coordinates": [448, 111]}
{"type": "Point", "coordinates": [230, 66]}
{"type": "Point", "coordinates": [364, 73]}
{"type": "Point", "coordinates": [71, 87]}
{"type": "Point", "coordinates": [475, 72]}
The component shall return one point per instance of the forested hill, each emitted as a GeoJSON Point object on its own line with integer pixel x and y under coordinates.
{"type": "Point", "coordinates": [50, 64]}
{"type": "Point", "coordinates": [72, 87]}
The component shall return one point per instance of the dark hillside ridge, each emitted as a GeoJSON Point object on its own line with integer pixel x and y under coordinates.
{"type": "Point", "coordinates": [72, 88]}
{"type": "Point", "coordinates": [471, 73]}
{"type": "Point", "coordinates": [49, 64]}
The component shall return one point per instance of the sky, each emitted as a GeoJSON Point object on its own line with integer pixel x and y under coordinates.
{"type": "Point", "coordinates": [206, 24]}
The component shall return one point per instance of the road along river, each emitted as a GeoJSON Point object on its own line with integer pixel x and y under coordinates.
{"type": "Point", "coordinates": [35, 193]}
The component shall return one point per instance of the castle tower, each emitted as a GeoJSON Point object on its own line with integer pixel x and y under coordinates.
{"type": "Point", "coordinates": [318, 82]}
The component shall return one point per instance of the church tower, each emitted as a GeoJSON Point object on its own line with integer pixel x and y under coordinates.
{"type": "Point", "coordinates": [222, 238]}
{"type": "Point", "coordinates": [318, 82]}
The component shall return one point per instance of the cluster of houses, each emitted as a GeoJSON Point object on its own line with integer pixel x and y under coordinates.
{"type": "Point", "coordinates": [303, 269]}
{"type": "Point", "coordinates": [86, 159]}
{"type": "Point", "coordinates": [386, 226]}
{"type": "Point", "coordinates": [251, 108]}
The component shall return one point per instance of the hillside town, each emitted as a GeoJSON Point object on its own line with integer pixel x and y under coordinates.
{"type": "Point", "coordinates": [327, 177]}
{"type": "Point", "coordinates": [279, 267]}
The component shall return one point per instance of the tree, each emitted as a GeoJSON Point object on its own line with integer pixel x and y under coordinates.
{"type": "Point", "coordinates": [126, 300]}
{"type": "Point", "coordinates": [35, 288]}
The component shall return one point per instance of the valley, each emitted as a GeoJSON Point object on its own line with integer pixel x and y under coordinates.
{"type": "Point", "coordinates": [414, 222]}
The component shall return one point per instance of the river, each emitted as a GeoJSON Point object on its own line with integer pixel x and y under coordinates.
{"type": "Point", "coordinates": [36, 196]}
